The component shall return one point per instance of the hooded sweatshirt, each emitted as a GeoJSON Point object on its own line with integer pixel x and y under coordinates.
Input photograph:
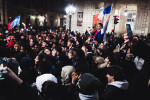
{"type": "Point", "coordinates": [116, 91]}
{"type": "Point", "coordinates": [120, 84]}
{"type": "Point", "coordinates": [66, 71]}
{"type": "Point", "coordinates": [42, 78]}
{"type": "Point", "coordinates": [94, 96]}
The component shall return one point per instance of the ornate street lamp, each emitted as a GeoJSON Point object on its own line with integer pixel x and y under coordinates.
{"type": "Point", "coordinates": [70, 10]}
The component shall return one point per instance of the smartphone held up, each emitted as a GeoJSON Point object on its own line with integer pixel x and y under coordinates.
{"type": "Point", "coordinates": [129, 32]}
{"type": "Point", "coordinates": [3, 67]}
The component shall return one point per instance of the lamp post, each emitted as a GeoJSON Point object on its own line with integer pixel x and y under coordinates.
{"type": "Point", "coordinates": [126, 11]}
{"type": "Point", "coordinates": [70, 10]}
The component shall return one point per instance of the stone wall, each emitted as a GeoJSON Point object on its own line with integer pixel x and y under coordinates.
{"type": "Point", "coordinates": [142, 9]}
{"type": "Point", "coordinates": [1, 12]}
{"type": "Point", "coordinates": [89, 11]}
{"type": "Point", "coordinates": [142, 21]}
{"type": "Point", "coordinates": [118, 9]}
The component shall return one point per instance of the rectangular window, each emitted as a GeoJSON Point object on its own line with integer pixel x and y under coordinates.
{"type": "Point", "coordinates": [131, 19]}
{"type": "Point", "coordinates": [61, 22]}
{"type": "Point", "coordinates": [79, 18]}
{"type": "Point", "coordinates": [129, 15]}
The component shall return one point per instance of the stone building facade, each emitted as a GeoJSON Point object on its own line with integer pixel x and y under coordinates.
{"type": "Point", "coordinates": [138, 15]}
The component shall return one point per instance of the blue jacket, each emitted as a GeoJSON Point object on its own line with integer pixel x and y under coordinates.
{"type": "Point", "coordinates": [100, 36]}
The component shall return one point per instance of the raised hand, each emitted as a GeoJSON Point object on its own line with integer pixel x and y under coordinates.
{"type": "Point", "coordinates": [126, 38]}
{"type": "Point", "coordinates": [12, 77]}
{"type": "Point", "coordinates": [134, 40]}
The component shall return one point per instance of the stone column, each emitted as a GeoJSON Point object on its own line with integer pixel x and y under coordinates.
{"type": "Point", "coordinates": [148, 17]}
{"type": "Point", "coordinates": [1, 12]}
{"type": "Point", "coordinates": [5, 7]}
{"type": "Point", "coordinates": [141, 24]}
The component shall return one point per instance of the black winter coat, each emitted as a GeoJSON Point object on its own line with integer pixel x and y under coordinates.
{"type": "Point", "coordinates": [114, 93]}
{"type": "Point", "coordinates": [140, 89]}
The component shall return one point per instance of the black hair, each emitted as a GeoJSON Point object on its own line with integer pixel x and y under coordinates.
{"type": "Point", "coordinates": [46, 42]}
{"type": "Point", "coordinates": [40, 57]}
{"type": "Point", "coordinates": [81, 67]}
{"type": "Point", "coordinates": [49, 88]}
{"type": "Point", "coordinates": [26, 63]}
{"type": "Point", "coordinates": [58, 49]}
{"type": "Point", "coordinates": [100, 24]}
{"type": "Point", "coordinates": [78, 54]}
{"type": "Point", "coordinates": [44, 67]}
{"type": "Point", "coordinates": [47, 48]}
{"type": "Point", "coordinates": [88, 46]}
{"type": "Point", "coordinates": [117, 72]}
{"type": "Point", "coordinates": [72, 41]}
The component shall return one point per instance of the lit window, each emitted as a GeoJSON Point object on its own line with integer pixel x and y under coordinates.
{"type": "Point", "coordinates": [131, 19]}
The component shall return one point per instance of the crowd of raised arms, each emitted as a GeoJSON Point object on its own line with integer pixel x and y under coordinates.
{"type": "Point", "coordinates": [66, 65]}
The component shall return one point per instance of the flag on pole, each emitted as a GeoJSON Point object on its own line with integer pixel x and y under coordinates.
{"type": "Point", "coordinates": [99, 17]}
{"type": "Point", "coordinates": [95, 19]}
{"type": "Point", "coordinates": [15, 22]}
{"type": "Point", "coordinates": [107, 10]}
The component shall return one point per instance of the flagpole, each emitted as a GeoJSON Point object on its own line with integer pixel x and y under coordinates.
{"type": "Point", "coordinates": [11, 31]}
{"type": "Point", "coordinates": [107, 20]}
{"type": "Point", "coordinates": [19, 25]}
{"type": "Point", "coordinates": [111, 8]}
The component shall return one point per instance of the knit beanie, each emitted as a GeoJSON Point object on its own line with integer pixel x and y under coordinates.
{"type": "Point", "coordinates": [88, 84]}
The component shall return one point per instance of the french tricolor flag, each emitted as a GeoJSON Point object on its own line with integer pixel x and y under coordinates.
{"type": "Point", "coordinates": [15, 22]}
{"type": "Point", "coordinates": [99, 17]}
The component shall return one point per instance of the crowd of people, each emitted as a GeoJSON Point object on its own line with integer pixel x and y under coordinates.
{"type": "Point", "coordinates": [72, 66]}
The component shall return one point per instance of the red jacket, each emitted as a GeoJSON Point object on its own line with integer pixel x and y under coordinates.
{"type": "Point", "coordinates": [10, 44]}
{"type": "Point", "coordinates": [94, 33]}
